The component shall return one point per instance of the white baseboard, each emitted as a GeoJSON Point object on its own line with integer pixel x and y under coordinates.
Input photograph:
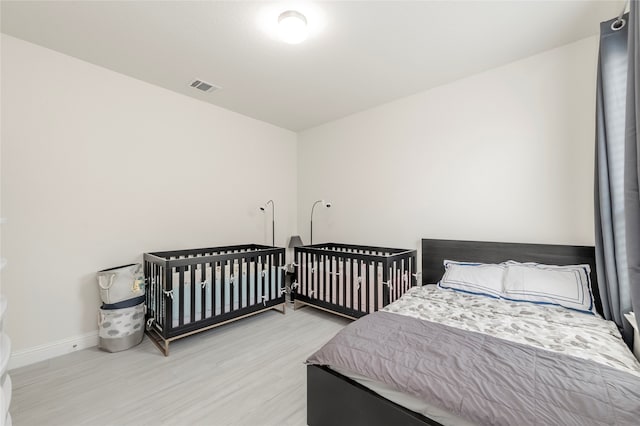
{"type": "Point", "coordinates": [51, 350]}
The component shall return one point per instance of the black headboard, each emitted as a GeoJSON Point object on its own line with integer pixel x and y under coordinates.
{"type": "Point", "coordinates": [434, 252]}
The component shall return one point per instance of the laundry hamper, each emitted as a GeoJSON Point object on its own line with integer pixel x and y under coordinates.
{"type": "Point", "coordinates": [121, 328]}
{"type": "Point", "coordinates": [121, 318]}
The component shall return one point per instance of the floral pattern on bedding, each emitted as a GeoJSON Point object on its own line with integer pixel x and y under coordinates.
{"type": "Point", "coordinates": [547, 327]}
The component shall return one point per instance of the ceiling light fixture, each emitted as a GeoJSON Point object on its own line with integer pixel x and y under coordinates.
{"type": "Point", "coordinates": [292, 26]}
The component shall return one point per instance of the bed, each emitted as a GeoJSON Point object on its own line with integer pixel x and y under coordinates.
{"type": "Point", "coordinates": [189, 291]}
{"type": "Point", "coordinates": [351, 280]}
{"type": "Point", "coordinates": [452, 365]}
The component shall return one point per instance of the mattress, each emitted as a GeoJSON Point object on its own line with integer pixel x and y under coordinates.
{"type": "Point", "coordinates": [552, 328]}
{"type": "Point", "coordinates": [546, 327]}
{"type": "Point", "coordinates": [341, 274]}
{"type": "Point", "coordinates": [339, 270]}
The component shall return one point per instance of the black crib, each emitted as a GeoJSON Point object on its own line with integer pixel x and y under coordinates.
{"type": "Point", "coordinates": [189, 291]}
{"type": "Point", "coordinates": [351, 280]}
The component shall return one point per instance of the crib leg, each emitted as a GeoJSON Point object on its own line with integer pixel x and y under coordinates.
{"type": "Point", "coordinates": [281, 308]}
{"type": "Point", "coordinates": [156, 339]}
{"type": "Point", "coordinates": [297, 305]}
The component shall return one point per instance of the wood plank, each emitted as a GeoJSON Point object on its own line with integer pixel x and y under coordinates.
{"type": "Point", "coordinates": [204, 381]}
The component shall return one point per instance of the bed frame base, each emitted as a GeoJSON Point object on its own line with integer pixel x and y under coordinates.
{"type": "Point", "coordinates": [335, 400]}
{"type": "Point", "coordinates": [163, 344]}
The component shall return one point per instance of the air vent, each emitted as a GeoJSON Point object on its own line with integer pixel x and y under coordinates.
{"type": "Point", "coordinates": [203, 86]}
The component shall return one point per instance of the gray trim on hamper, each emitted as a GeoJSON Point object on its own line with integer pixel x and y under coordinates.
{"type": "Point", "coordinates": [118, 344]}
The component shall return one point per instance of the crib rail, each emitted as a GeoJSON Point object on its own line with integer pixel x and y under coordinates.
{"type": "Point", "coordinates": [353, 248]}
{"type": "Point", "coordinates": [192, 290]}
{"type": "Point", "coordinates": [183, 257]}
{"type": "Point", "coordinates": [352, 280]}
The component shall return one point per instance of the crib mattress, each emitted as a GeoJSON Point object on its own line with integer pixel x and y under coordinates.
{"type": "Point", "coordinates": [245, 289]}
{"type": "Point", "coordinates": [340, 283]}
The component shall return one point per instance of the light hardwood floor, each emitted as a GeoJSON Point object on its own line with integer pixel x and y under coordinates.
{"type": "Point", "coordinates": [250, 372]}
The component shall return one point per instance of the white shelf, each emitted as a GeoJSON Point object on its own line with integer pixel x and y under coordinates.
{"type": "Point", "coordinates": [5, 397]}
{"type": "Point", "coordinates": [5, 353]}
{"type": "Point", "coordinates": [3, 309]}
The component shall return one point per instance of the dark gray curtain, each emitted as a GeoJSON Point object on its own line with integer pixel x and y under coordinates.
{"type": "Point", "coordinates": [632, 159]}
{"type": "Point", "coordinates": [617, 205]}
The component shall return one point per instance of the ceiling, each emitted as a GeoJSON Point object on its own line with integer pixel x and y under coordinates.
{"type": "Point", "coordinates": [359, 54]}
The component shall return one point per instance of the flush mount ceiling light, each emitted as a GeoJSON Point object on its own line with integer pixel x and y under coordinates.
{"type": "Point", "coordinates": [292, 27]}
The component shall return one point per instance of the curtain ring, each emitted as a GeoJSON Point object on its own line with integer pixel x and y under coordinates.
{"type": "Point", "coordinates": [618, 24]}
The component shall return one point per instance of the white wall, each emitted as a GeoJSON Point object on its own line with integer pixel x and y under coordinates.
{"type": "Point", "coordinates": [506, 155]}
{"type": "Point", "coordinates": [98, 168]}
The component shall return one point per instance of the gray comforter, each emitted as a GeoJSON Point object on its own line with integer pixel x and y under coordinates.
{"type": "Point", "coordinates": [484, 379]}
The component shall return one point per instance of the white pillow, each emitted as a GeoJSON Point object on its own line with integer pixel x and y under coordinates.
{"type": "Point", "coordinates": [568, 286]}
{"type": "Point", "coordinates": [476, 278]}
